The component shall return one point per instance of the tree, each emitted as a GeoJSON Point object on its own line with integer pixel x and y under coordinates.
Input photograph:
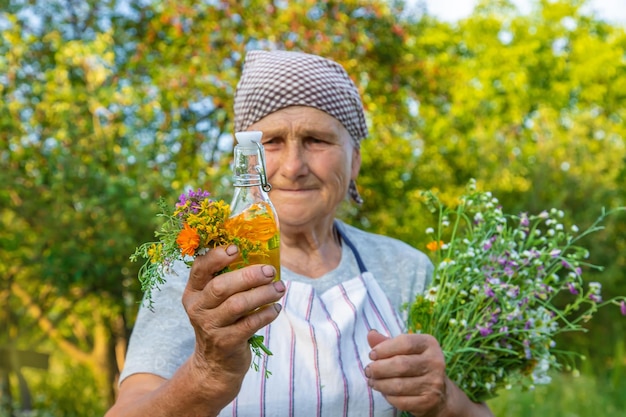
{"type": "Point", "coordinates": [108, 105]}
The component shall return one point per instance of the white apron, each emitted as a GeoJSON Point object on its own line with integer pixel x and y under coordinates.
{"type": "Point", "coordinates": [320, 351]}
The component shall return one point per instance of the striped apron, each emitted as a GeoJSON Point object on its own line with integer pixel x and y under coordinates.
{"type": "Point", "coordinates": [320, 351]}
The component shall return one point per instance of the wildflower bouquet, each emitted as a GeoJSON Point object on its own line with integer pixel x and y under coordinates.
{"type": "Point", "coordinates": [503, 287]}
{"type": "Point", "coordinates": [195, 225]}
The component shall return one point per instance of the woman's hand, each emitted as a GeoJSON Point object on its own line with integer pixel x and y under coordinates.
{"type": "Point", "coordinates": [225, 311]}
{"type": "Point", "coordinates": [410, 371]}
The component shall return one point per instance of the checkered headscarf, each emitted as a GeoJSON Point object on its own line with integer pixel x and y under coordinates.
{"type": "Point", "coordinates": [273, 80]}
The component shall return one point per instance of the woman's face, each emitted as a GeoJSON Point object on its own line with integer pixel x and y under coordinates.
{"type": "Point", "coordinates": [310, 161]}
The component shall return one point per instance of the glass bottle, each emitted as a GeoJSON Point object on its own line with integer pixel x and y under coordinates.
{"type": "Point", "coordinates": [253, 218]}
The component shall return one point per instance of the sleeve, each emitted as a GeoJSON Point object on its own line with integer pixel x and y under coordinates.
{"type": "Point", "coordinates": [162, 338]}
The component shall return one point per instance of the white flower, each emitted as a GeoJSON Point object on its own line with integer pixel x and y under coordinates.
{"type": "Point", "coordinates": [502, 277]}
{"type": "Point", "coordinates": [540, 372]}
{"type": "Point", "coordinates": [431, 295]}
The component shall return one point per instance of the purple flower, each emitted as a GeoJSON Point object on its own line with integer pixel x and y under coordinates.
{"type": "Point", "coordinates": [524, 222]}
{"type": "Point", "coordinates": [595, 292]}
{"type": "Point", "coordinates": [572, 288]}
{"type": "Point", "coordinates": [494, 316]}
{"type": "Point", "coordinates": [489, 291]}
{"type": "Point", "coordinates": [596, 298]}
{"type": "Point", "coordinates": [192, 200]}
{"type": "Point", "coordinates": [513, 291]}
{"type": "Point", "coordinates": [485, 331]}
{"type": "Point", "coordinates": [555, 252]}
{"type": "Point", "coordinates": [622, 307]}
{"type": "Point", "coordinates": [193, 196]}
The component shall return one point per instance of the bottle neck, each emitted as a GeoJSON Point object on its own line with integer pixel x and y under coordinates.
{"type": "Point", "coordinates": [249, 167]}
{"type": "Point", "coordinates": [247, 180]}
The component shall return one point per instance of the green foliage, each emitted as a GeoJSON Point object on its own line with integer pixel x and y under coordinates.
{"type": "Point", "coordinates": [56, 394]}
{"type": "Point", "coordinates": [104, 109]}
{"type": "Point", "coordinates": [568, 396]}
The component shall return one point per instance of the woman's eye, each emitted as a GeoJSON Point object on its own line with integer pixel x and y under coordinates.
{"type": "Point", "coordinates": [315, 141]}
{"type": "Point", "coordinates": [270, 141]}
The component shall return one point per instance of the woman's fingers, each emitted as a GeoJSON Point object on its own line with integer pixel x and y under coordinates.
{"type": "Point", "coordinates": [236, 304]}
{"type": "Point", "coordinates": [222, 287]}
{"type": "Point", "coordinates": [245, 301]}
{"type": "Point", "coordinates": [207, 266]}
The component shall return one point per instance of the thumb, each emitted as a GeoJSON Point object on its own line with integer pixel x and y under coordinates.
{"type": "Point", "coordinates": [374, 338]}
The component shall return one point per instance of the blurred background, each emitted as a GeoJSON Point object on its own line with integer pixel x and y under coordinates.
{"type": "Point", "coordinates": [106, 106]}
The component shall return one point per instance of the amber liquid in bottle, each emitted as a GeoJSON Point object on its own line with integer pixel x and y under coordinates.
{"type": "Point", "coordinates": [253, 217]}
{"type": "Point", "coordinates": [257, 225]}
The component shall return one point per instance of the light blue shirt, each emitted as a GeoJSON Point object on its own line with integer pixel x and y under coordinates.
{"type": "Point", "coordinates": [163, 339]}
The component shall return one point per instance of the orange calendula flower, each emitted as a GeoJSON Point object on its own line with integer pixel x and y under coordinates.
{"type": "Point", "coordinates": [434, 245]}
{"type": "Point", "coordinates": [256, 225]}
{"type": "Point", "coordinates": [188, 240]}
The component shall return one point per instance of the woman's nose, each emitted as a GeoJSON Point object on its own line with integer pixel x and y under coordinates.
{"type": "Point", "coordinates": [293, 160]}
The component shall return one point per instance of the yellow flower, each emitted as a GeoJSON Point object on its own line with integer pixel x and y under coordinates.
{"type": "Point", "coordinates": [188, 240]}
{"type": "Point", "coordinates": [155, 253]}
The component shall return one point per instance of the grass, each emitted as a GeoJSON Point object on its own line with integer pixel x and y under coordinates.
{"type": "Point", "coordinates": [566, 396]}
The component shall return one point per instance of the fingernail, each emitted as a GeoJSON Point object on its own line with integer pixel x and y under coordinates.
{"type": "Point", "coordinates": [232, 249]}
{"type": "Point", "coordinates": [367, 372]}
{"type": "Point", "coordinates": [277, 307]}
{"type": "Point", "coordinates": [280, 286]}
{"type": "Point", "coordinates": [373, 355]}
{"type": "Point", "coordinates": [268, 271]}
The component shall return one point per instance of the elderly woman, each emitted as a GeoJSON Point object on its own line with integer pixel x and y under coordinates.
{"type": "Point", "coordinates": [334, 323]}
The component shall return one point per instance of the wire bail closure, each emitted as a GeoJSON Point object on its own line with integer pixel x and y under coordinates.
{"type": "Point", "coordinates": [264, 184]}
